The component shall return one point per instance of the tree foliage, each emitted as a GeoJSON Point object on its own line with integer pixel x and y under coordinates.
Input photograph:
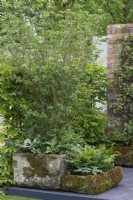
{"type": "Point", "coordinates": [109, 12]}
{"type": "Point", "coordinates": [45, 51]}
{"type": "Point", "coordinates": [105, 12]}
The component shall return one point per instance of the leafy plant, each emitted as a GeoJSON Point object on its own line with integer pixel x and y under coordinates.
{"type": "Point", "coordinates": [123, 131]}
{"type": "Point", "coordinates": [8, 138]}
{"type": "Point", "coordinates": [65, 144]}
{"type": "Point", "coordinates": [44, 51]}
{"type": "Point", "coordinates": [123, 137]}
{"type": "Point", "coordinates": [87, 119]}
{"type": "Point", "coordinates": [35, 146]}
{"type": "Point", "coordinates": [6, 171]}
{"type": "Point", "coordinates": [90, 160]}
{"type": "Point", "coordinates": [46, 72]}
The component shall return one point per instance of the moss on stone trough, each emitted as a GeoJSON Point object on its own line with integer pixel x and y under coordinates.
{"type": "Point", "coordinates": [37, 166]}
{"type": "Point", "coordinates": [92, 184]}
{"type": "Point", "coordinates": [126, 156]}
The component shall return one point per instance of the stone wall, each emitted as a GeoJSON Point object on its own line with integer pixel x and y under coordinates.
{"type": "Point", "coordinates": [116, 34]}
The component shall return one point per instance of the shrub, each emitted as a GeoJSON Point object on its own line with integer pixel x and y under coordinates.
{"type": "Point", "coordinates": [44, 51]}
{"type": "Point", "coordinates": [86, 118]}
{"type": "Point", "coordinates": [44, 71]}
{"type": "Point", "coordinates": [122, 137]}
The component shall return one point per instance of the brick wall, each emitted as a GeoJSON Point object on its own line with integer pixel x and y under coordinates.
{"type": "Point", "coordinates": [116, 34]}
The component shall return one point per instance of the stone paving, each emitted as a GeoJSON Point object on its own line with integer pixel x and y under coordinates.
{"type": "Point", "coordinates": [123, 191]}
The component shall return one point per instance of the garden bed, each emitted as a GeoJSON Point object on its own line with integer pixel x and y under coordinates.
{"type": "Point", "coordinates": [49, 172]}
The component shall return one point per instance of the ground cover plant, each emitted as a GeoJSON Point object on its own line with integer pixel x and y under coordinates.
{"type": "Point", "coordinates": [90, 160]}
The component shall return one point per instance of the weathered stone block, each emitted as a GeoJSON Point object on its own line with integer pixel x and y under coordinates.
{"type": "Point", "coordinates": [39, 171]}
{"type": "Point", "coordinates": [126, 156]}
{"type": "Point", "coordinates": [92, 184]}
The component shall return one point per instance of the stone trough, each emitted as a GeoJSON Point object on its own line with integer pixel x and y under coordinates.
{"type": "Point", "coordinates": [49, 172]}
{"type": "Point", "coordinates": [38, 171]}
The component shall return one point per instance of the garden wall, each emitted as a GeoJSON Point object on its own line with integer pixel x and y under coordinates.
{"type": "Point", "coordinates": [116, 35]}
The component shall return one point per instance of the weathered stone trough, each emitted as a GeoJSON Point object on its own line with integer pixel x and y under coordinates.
{"type": "Point", "coordinates": [126, 156]}
{"type": "Point", "coordinates": [92, 184]}
{"type": "Point", "coordinates": [38, 171]}
{"type": "Point", "coordinates": [49, 172]}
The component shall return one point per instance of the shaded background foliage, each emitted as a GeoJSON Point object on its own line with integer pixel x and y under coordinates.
{"type": "Point", "coordinates": [106, 12]}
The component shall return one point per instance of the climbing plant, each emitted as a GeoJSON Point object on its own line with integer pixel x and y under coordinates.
{"type": "Point", "coordinates": [124, 84]}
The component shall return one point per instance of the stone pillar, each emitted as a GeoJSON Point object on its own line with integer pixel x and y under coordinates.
{"type": "Point", "coordinates": [116, 34]}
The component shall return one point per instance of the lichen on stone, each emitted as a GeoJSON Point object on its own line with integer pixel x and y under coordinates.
{"type": "Point", "coordinates": [37, 165]}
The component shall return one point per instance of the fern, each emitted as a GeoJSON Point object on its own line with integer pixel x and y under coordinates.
{"type": "Point", "coordinates": [90, 160]}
